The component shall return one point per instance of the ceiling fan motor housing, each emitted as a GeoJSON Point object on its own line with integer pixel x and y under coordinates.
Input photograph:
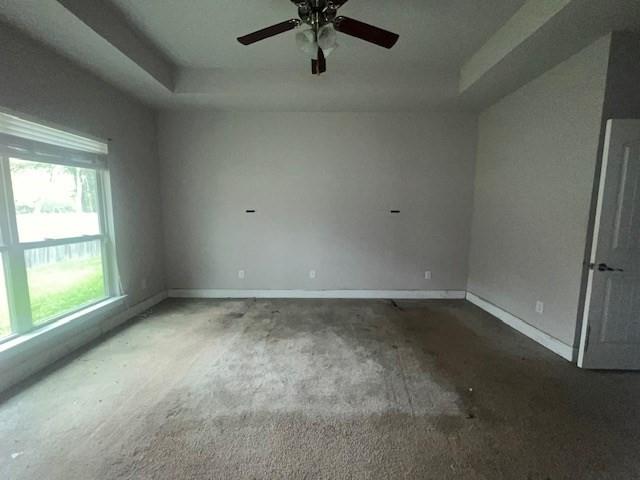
{"type": "Point", "coordinates": [317, 13]}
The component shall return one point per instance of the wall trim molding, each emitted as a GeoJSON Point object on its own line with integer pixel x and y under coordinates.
{"type": "Point", "coordinates": [29, 361]}
{"type": "Point", "coordinates": [560, 348]}
{"type": "Point", "coordinates": [337, 294]}
{"type": "Point", "coordinates": [135, 310]}
{"type": "Point", "coordinates": [47, 347]}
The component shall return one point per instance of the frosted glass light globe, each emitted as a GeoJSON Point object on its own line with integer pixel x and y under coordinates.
{"type": "Point", "coordinates": [306, 41]}
{"type": "Point", "coordinates": [327, 38]}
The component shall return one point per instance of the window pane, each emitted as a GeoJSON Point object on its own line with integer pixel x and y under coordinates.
{"type": "Point", "coordinates": [5, 321]}
{"type": "Point", "coordinates": [54, 201]}
{"type": "Point", "coordinates": [64, 278]}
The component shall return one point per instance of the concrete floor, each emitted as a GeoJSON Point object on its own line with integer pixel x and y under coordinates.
{"type": "Point", "coordinates": [320, 389]}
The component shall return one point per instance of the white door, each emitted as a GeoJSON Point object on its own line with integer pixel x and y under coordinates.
{"type": "Point", "coordinates": [611, 325]}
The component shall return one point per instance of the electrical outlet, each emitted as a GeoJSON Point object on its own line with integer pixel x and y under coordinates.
{"type": "Point", "coordinates": [427, 275]}
{"type": "Point", "coordinates": [312, 274]}
{"type": "Point", "coordinates": [539, 307]}
{"type": "Point", "coordinates": [240, 274]}
{"type": "Point", "coordinates": [144, 283]}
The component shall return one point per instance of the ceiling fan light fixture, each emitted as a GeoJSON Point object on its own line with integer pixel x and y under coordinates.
{"type": "Point", "coordinates": [306, 41]}
{"type": "Point", "coordinates": [327, 38]}
{"type": "Point", "coordinates": [329, 51]}
{"type": "Point", "coordinates": [319, 38]}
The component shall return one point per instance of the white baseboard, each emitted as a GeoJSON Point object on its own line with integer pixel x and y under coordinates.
{"type": "Point", "coordinates": [565, 351]}
{"type": "Point", "coordinates": [32, 352]}
{"type": "Point", "coordinates": [48, 347]}
{"type": "Point", "coordinates": [338, 294]}
{"type": "Point", "coordinates": [133, 311]}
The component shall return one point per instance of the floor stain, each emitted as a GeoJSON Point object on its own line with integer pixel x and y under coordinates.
{"type": "Point", "coordinates": [329, 389]}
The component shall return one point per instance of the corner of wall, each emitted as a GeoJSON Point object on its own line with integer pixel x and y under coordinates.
{"type": "Point", "coordinates": [505, 128]}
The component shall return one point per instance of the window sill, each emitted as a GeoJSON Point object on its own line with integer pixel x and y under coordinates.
{"type": "Point", "coordinates": [75, 321]}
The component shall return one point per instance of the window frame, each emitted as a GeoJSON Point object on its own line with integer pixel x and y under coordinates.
{"type": "Point", "coordinates": [13, 250]}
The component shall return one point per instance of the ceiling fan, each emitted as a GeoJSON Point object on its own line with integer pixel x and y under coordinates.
{"type": "Point", "coordinates": [319, 40]}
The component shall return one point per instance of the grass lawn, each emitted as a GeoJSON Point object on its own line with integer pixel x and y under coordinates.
{"type": "Point", "coordinates": [60, 287]}
{"type": "Point", "coordinates": [64, 286]}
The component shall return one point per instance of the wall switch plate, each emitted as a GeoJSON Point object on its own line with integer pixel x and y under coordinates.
{"type": "Point", "coordinates": [539, 307]}
{"type": "Point", "coordinates": [240, 273]}
{"type": "Point", "coordinates": [312, 274]}
{"type": "Point", "coordinates": [144, 283]}
{"type": "Point", "coordinates": [427, 275]}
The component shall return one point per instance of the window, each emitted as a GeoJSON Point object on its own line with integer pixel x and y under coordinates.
{"type": "Point", "coordinates": [56, 248]}
{"type": "Point", "coordinates": [5, 320]}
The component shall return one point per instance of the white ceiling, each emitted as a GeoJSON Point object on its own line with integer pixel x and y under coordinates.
{"type": "Point", "coordinates": [199, 36]}
{"type": "Point", "coordinates": [184, 53]}
{"type": "Point", "coordinates": [435, 35]}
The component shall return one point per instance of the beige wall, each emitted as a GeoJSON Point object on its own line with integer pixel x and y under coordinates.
{"type": "Point", "coordinates": [537, 153]}
{"type": "Point", "coordinates": [323, 185]}
{"type": "Point", "coordinates": [36, 81]}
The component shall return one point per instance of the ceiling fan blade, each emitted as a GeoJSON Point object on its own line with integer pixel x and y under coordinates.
{"type": "Point", "coordinates": [366, 32]}
{"type": "Point", "coordinates": [269, 32]}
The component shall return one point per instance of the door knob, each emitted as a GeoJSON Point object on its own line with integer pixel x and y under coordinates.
{"type": "Point", "coordinates": [603, 267]}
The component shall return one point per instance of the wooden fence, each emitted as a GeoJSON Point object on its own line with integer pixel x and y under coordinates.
{"type": "Point", "coordinates": [75, 251]}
